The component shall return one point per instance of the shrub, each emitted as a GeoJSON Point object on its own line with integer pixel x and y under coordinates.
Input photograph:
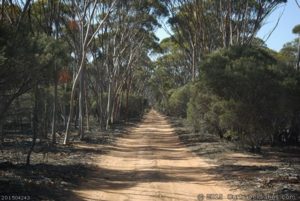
{"type": "Point", "coordinates": [136, 106]}
{"type": "Point", "coordinates": [242, 91]}
{"type": "Point", "coordinates": [177, 102]}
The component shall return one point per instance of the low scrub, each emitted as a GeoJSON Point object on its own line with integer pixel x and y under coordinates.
{"type": "Point", "coordinates": [178, 99]}
{"type": "Point", "coordinates": [245, 93]}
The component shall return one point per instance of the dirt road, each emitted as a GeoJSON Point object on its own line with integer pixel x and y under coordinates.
{"type": "Point", "coordinates": [150, 163]}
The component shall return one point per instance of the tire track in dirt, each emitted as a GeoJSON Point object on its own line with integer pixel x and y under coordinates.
{"type": "Point", "coordinates": [150, 163]}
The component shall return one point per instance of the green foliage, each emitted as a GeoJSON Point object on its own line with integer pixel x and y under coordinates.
{"type": "Point", "coordinates": [136, 106]}
{"type": "Point", "coordinates": [245, 91]}
{"type": "Point", "coordinates": [199, 107]}
{"type": "Point", "coordinates": [171, 72]}
{"type": "Point", "coordinates": [296, 29]}
{"type": "Point", "coordinates": [26, 60]}
{"type": "Point", "coordinates": [231, 135]}
{"type": "Point", "coordinates": [177, 102]}
{"type": "Point", "coordinates": [28, 57]}
{"type": "Point", "coordinates": [288, 53]}
{"type": "Point", "coordinates": [161, 82]}
{"type": "Point", "coordinates": [134, 109]}
{"type": "Point", "coordinates": [206, 110]}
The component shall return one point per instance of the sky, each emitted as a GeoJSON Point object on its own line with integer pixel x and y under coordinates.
{"type": "Point", "coordinates": [282, 33]}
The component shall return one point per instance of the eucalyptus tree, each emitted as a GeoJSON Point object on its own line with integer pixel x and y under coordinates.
{"type": "Point", "coordinates": [47, 17]}
{"type": "Point", "coordinates": [296, 30]}
{"type": "Point", "coordinates": [170, 71]}
{"type": "Point", "coordinates": [289, 53]}
{"type": "Point", "coordinates": [125, 39]}
{"type": "Point", "coordinates": [27, 58]}
{"type": "Point", "coordinates": [201, 26]}
{"type": "Point", "coordinates": [87, 17]}
{"type": "Point", "coordinates": [173, 58]}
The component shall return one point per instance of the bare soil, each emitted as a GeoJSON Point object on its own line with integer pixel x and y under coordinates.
{"type": "Point", "coordinates": [151, 163]}
{"type": "Point", "coordinates": [156, 159]}
{"type": "Point", "coordinates": [54, 170]}
{"type": "Point", "coordinates": [273, 174]}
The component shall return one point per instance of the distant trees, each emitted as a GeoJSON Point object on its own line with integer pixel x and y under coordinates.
{"type": "Point", "coordinates": [288, 53]}
{"type": "Point", "coordinates": [243, 91]}
{"type": "Point", "coordinates": [201, 27]}
{"type": "Point", "coordinates": [125, 41]}
{"type": "Point", "coordinates": [65, 64]}
{"type": "Point", "coordinates": [249, 94]}
{"type": "Point", "coordinates": [296, 30]}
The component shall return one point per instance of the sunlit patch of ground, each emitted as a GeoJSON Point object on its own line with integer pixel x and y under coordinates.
{"type": "Point", "coordinates": [149, 162]}
{"type": "Point", "coordinates": [274, 171]}
{"type": "Point", "coordinates": [54, 170]}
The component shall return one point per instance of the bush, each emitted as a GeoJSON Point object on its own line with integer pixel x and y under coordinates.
{"type": "Point", "coordinates": [199, 109]}
{"type": "Point", "coordinates": [136, 106]}
{"type": "Point", "coordinates": [243, 91]}
{"type": "Point", "coordinates": [177, 102]}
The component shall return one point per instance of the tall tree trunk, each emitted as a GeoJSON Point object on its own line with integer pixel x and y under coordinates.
{"type": "Point", "coordinates": [126, 110]}
{"type": "Point", "coordinates": [45, 123]}
{"type": "Point", "coordinates": [65, 107]}
{"type": "Point", "coordinates": [34, 125]}
{"type": "Point", "coordinates": [76, 115]}
{"type": "Point", "coordinates": [81, 106]}
{"type": "Point", "coordinates": [99, 111]}
{"type": "Point", "coordinates": [81, 66]}
{"type": "Point", "coordinates": [53, 126]}
{"type": "Point", "coordinates": [86, 107]}
{"type": "Point", "coordinates": [127, 95]}
{"type": "Point", "coordinates": [113, 109]}
{"type": "Point", "coordinates": [193, 63]}
{"type": "Point", "coordinates": [230, 24]}
{"type": "Point", "coordinates": [118, 110]}
{"type": "Point", "coordinates": [53, 132]}
{"type": "Point", "coordinates": [102, 115]}
{"type": "Point", "coordinates": [108, 107]}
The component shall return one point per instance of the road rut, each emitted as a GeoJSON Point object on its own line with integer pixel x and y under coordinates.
{"type": "Point", "coordinates": [150, 163]}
